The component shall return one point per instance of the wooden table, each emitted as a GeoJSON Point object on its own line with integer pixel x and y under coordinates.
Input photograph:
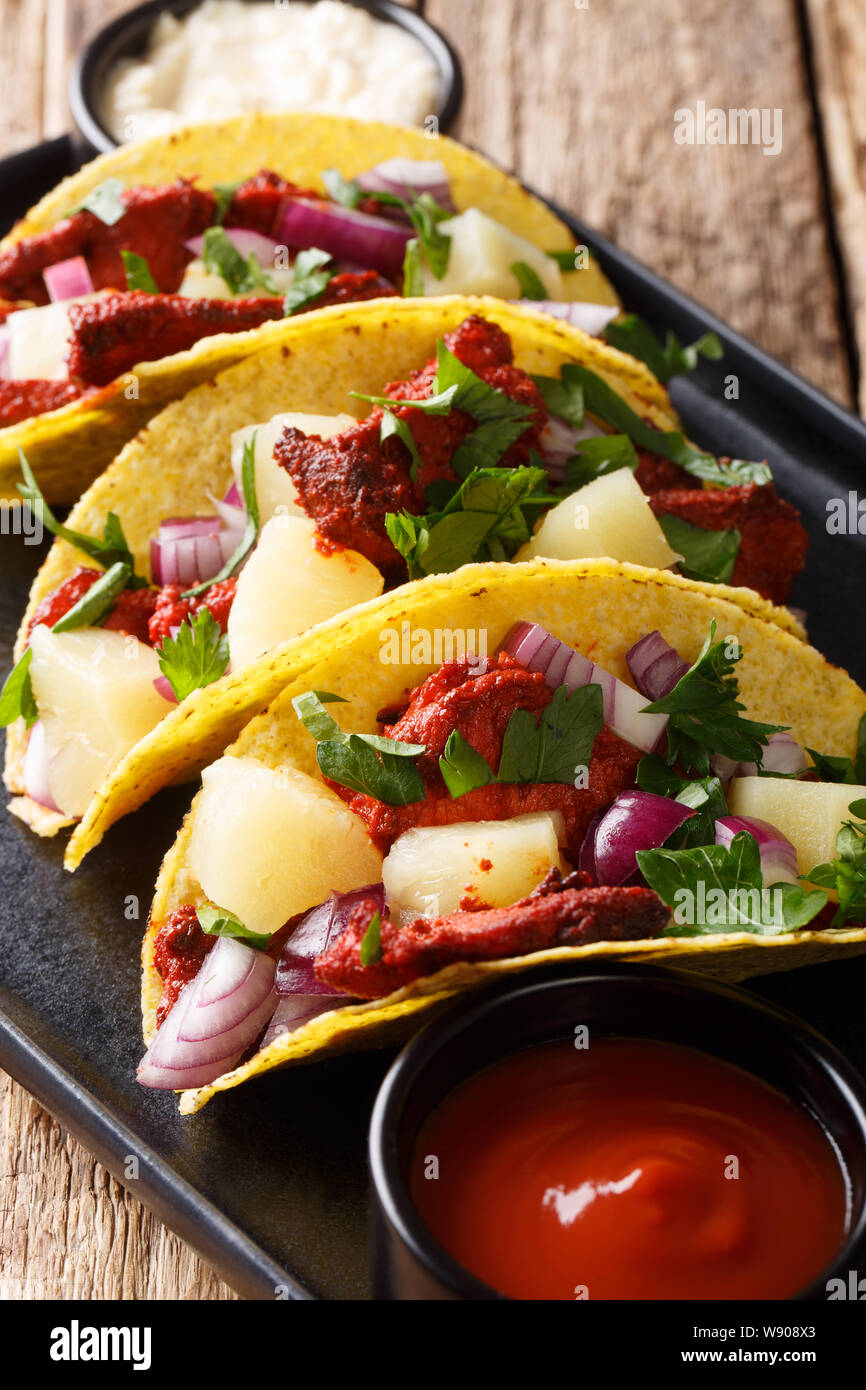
{"type": "Point", "coordinates": [579, 97]}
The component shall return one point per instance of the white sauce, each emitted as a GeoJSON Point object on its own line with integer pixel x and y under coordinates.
{"type": "Point", "coordinates": [228, 57]}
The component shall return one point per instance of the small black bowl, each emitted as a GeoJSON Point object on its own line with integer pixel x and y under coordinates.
{"type": "Point", "coordinates": [127, 36]}
{"type": "Point", "coordinates": [634, 1001]}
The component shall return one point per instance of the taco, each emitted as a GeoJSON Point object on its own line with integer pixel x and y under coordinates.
{"type": "Point", "coordinates": [496, 421]}
{"type": "Point", "coordinates": [161, 263]}
{"type": "Point", "coordinates": [490, 770]}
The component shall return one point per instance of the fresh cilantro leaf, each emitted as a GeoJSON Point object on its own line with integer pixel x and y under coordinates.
{"type": "Point", "coordinates": [221, 257]}
{"type": "Point", "coordinates": [393, 425]}
{"type": "Point", "coordinates": [564, 259]}
{"type": "Point", "coordinates": [704, 713]}
{"type": "Point", "coordinates": [347, 192]}
{"type": "Point", "coordinates": [218, 921]}
{"type": "Point", "coordinates": [559, 745]}
{"type": "Point", "coordinates": [473, 395]}
{"type": "Point", "coordinates": [530, 282]}
{"type": "Point", "coordinates": [463, 768]}
{"type": "Point", "coordinates": [105, 201]}
{"type": "Point", "coordinates": [439, 404]}
{"type": "Point", "coordinates": [197, 656]}
{"type": "Point", "coordinates": [251, 529]}
{"type": "Point", "coordinates": [223, 193]}
{"type": "Point", "coordinates": [846, 875]}
{"type": "Point", "coordinates": [371, 946]}
{"type": "Point", "coordinates": [579, 389]}
{"type": "Point", "coordinates": [631, 334]}
{"type": "Point", "coordinates": [425, 215]}
{"type": "Point", "coordinates": [309, 280]}
{"type": "Point", "coordinates": [483, 520]}
{"type": "Point", "coordinates": [413, 270]}
{"type": "Point", "coordinates": [707, 555]}
{"type": "Point", "coordinates": [596, 458]}
{"type": "Point", "coordinates": [705, 796]}
{"type": "Point", "coordinates": [17, 700]}
{"type": "Point", "coordinates": [712, 889]}
{"type": "Point", "coordinates": [832, 768]}
{"type": "Point", "coordinates": [138, 276]}
{"type": "Point", "coordinates": [369, 763]}
{"type": "Point", "coordinates": [112, 549]}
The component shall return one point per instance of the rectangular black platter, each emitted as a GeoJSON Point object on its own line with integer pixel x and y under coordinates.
{"type": "Point", "coordinates": [269, 1183]}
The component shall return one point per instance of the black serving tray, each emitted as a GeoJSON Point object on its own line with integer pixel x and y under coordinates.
{"type": "Point", "coordinates": [269, 1183]}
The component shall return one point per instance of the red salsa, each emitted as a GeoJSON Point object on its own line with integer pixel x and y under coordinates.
{"type": "Point", "coordinates": [629, 1170]}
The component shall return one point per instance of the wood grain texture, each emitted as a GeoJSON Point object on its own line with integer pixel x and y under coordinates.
{"type": "Point", "coordinates": [581, 102]}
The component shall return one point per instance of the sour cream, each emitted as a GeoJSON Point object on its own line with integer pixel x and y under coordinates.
{"type": "Point", "coordinates": [228, 57]}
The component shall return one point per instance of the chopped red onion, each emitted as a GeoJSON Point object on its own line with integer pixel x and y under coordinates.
{"type": "Point", "coordinates": [535, 648]}
{"type": "Point", "coordinates": [591, 318]}
{"type": "Point", "coordinates": [408, 179]}
{"type": "Point", "coordinates": [231, 514]}
{"type": "Point", "coordinates": [218, 1016]}
{"type": "Point", "coordinates": [162, 686]}
{"type": "Point", "coordinates": [655, 665]}
{"type": "Point", "coordinates": [782, 754]}
{"type": "Point", "coordinates": [294, 1010]}
{"type": "Point", "coordinates": [191, 550]}
{"type": "Point", "coordinates": [246, 242]}
{"type": "Point", "coordinates": [778, 855]}
{"type": "Point", "coordinates": [636, 820]}
{"type": "Point", "coordinates": [36, 767]}
{"type": "Point", "coordinates": [559, 441]}
{"type": "Point", "coordinates": [67, 279]}
{"type": "Point", "coordinates": [314, 934]}
{"type": "Point", "coordinates": [347, 234]}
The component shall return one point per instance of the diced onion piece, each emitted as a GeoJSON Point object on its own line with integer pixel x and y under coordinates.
{"type": "Point", "coordinates": [778, 855]}
{"type": "Point", "coordinates": [289, 585]}
{"type": "Point", "coordinates": [245, 241]}
{"type": "Point", "coordinates": [67, 279]}
{"type": "Point", "coordinates": [480, 258]}
{"type": "Point", "coordinates": [346, 233]}
{"type": "Point", "coordinates": [39, 341]}
{"type": "Point", "coordinates": [270, 843]}
{"type": "Point", "coordinates": [314, 934]}
{"type": "Point", "coordinates": [36, 768]}
{"type": "Point", "coordinates": [275, 491]}
{"type": "Point", "coordinates": [781, 754]}
{"type": "Point", "coordinates": [591, 318]}
{"type": "Point", "coordinates": [624, 709]}
{"type": "Point", "coordinates": [294, 1010]}
{"type": "Point", "coordinates": [636, 820]}
{"type": "Point", "coordinates": [191, 550]}
{"type": "Point", "coordinates": [809, 814]}
{"type": "Point", "coordinates": [655, 665]}
{"type": "Point", "coordinates": [218, 1016]}
{"type": "Point", "coordinates": [430, 870]}
{"type": "Point", "coordinates": [408, 179]}
{"type": "Point", "coordinates": [610, 517]}
{"type": "Point", "coordinates": [96, 698]}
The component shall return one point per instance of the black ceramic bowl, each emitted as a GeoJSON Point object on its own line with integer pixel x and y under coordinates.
{"type": "Point", "coordinates": [127, 36]}
{"type": "Point", "coordinates": [615, 1000]}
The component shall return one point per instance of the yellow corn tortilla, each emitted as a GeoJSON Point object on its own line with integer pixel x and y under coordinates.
{"type": "Point", "coordinates": [601, 608]}
{"type": "Point", "coordinates": [68, 448]}
{"type": "Point", "coordinates": [311, 363]}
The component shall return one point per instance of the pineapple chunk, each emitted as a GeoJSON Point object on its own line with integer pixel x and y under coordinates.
{"type": "Point", "coordinates": [809, 814]}
{"type": "Point", "coordinates": [289, 585]}
{"type": "Point", "coordinates": [275, 491]}
{"type": "Point", "coordinates": [96, 698]}
{"type": "Point", "coordinates": [481, 256]}
{"type": "Point", "coordinates": [39, 340]}
{"type": "Point", "coordinates": [269, 843]}
{"type": "Point", "coordinates": [431, 869]}
{"type": "Point", "coordinates": [610, 517]}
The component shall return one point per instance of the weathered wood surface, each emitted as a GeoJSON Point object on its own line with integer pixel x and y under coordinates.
{"type": "Point", "coordinates": [581, 102]}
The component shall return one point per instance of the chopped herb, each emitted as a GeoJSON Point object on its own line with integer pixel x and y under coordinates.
{"type": "Point", "coordinates": [112, 549]}
{"type": "Point", "coordinates": [371, 946]}
{"type": "Point", "coordinates": [221, 257]}
{"type": "Point", "coordinates": [832, 768]}
{"type": "Point", "coordinates": [138, 276]}
{"type": "Point", "coordinates": [218, 921]}
{"type": "Point", "coordinates": [564, 259]}
{"type": "Point", "coordinates": [105, 201]}
{"type": "Point", "coordinates": [714, 889]}
{"type": "Point", "coordinates": [425, 215]}
{"type": "Point", "coordinates": [846, 875]}
{"type": "Point", "coordinates": [17, 700]}
{"type": "Point", "coordinates": [309, 280]}
{"type": "Point", "coordinates": [413, 271]}
{"type": "Point", "coordinates": [368, 763]}
{"type": "Point", "coordinates": [579, 389]}
{"type": "Point", "coordinates": [705, 796]}
{"type": "Point", "coordinates": [596, 458]}
{"type": "Point", "coordinates": [463, 768]}
{"type": "Point", "coordinates": [707, 555]}
{"type": "Point", "coordinates": [223, 193]}
{"type": "Point", "coordinates": [531, 284]}
{"type": "Point", "coordinates": [704, 712]}
{"type": "Point", "coordinates": [347, 192]}
{"type": "Point", "coordinates": [197, 656]}
{"type": "Point", "coordinates": [251, 530]}
{"type": "Point", "coordinates": [631, 334]}
{"type": "Point", "coordinates": [393, 425]}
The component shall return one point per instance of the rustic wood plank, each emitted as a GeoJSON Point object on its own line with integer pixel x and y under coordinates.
{"type": "Point", "coordinates": [837, 29]}
{"type": "Point", "coordinates": [581, 102]}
